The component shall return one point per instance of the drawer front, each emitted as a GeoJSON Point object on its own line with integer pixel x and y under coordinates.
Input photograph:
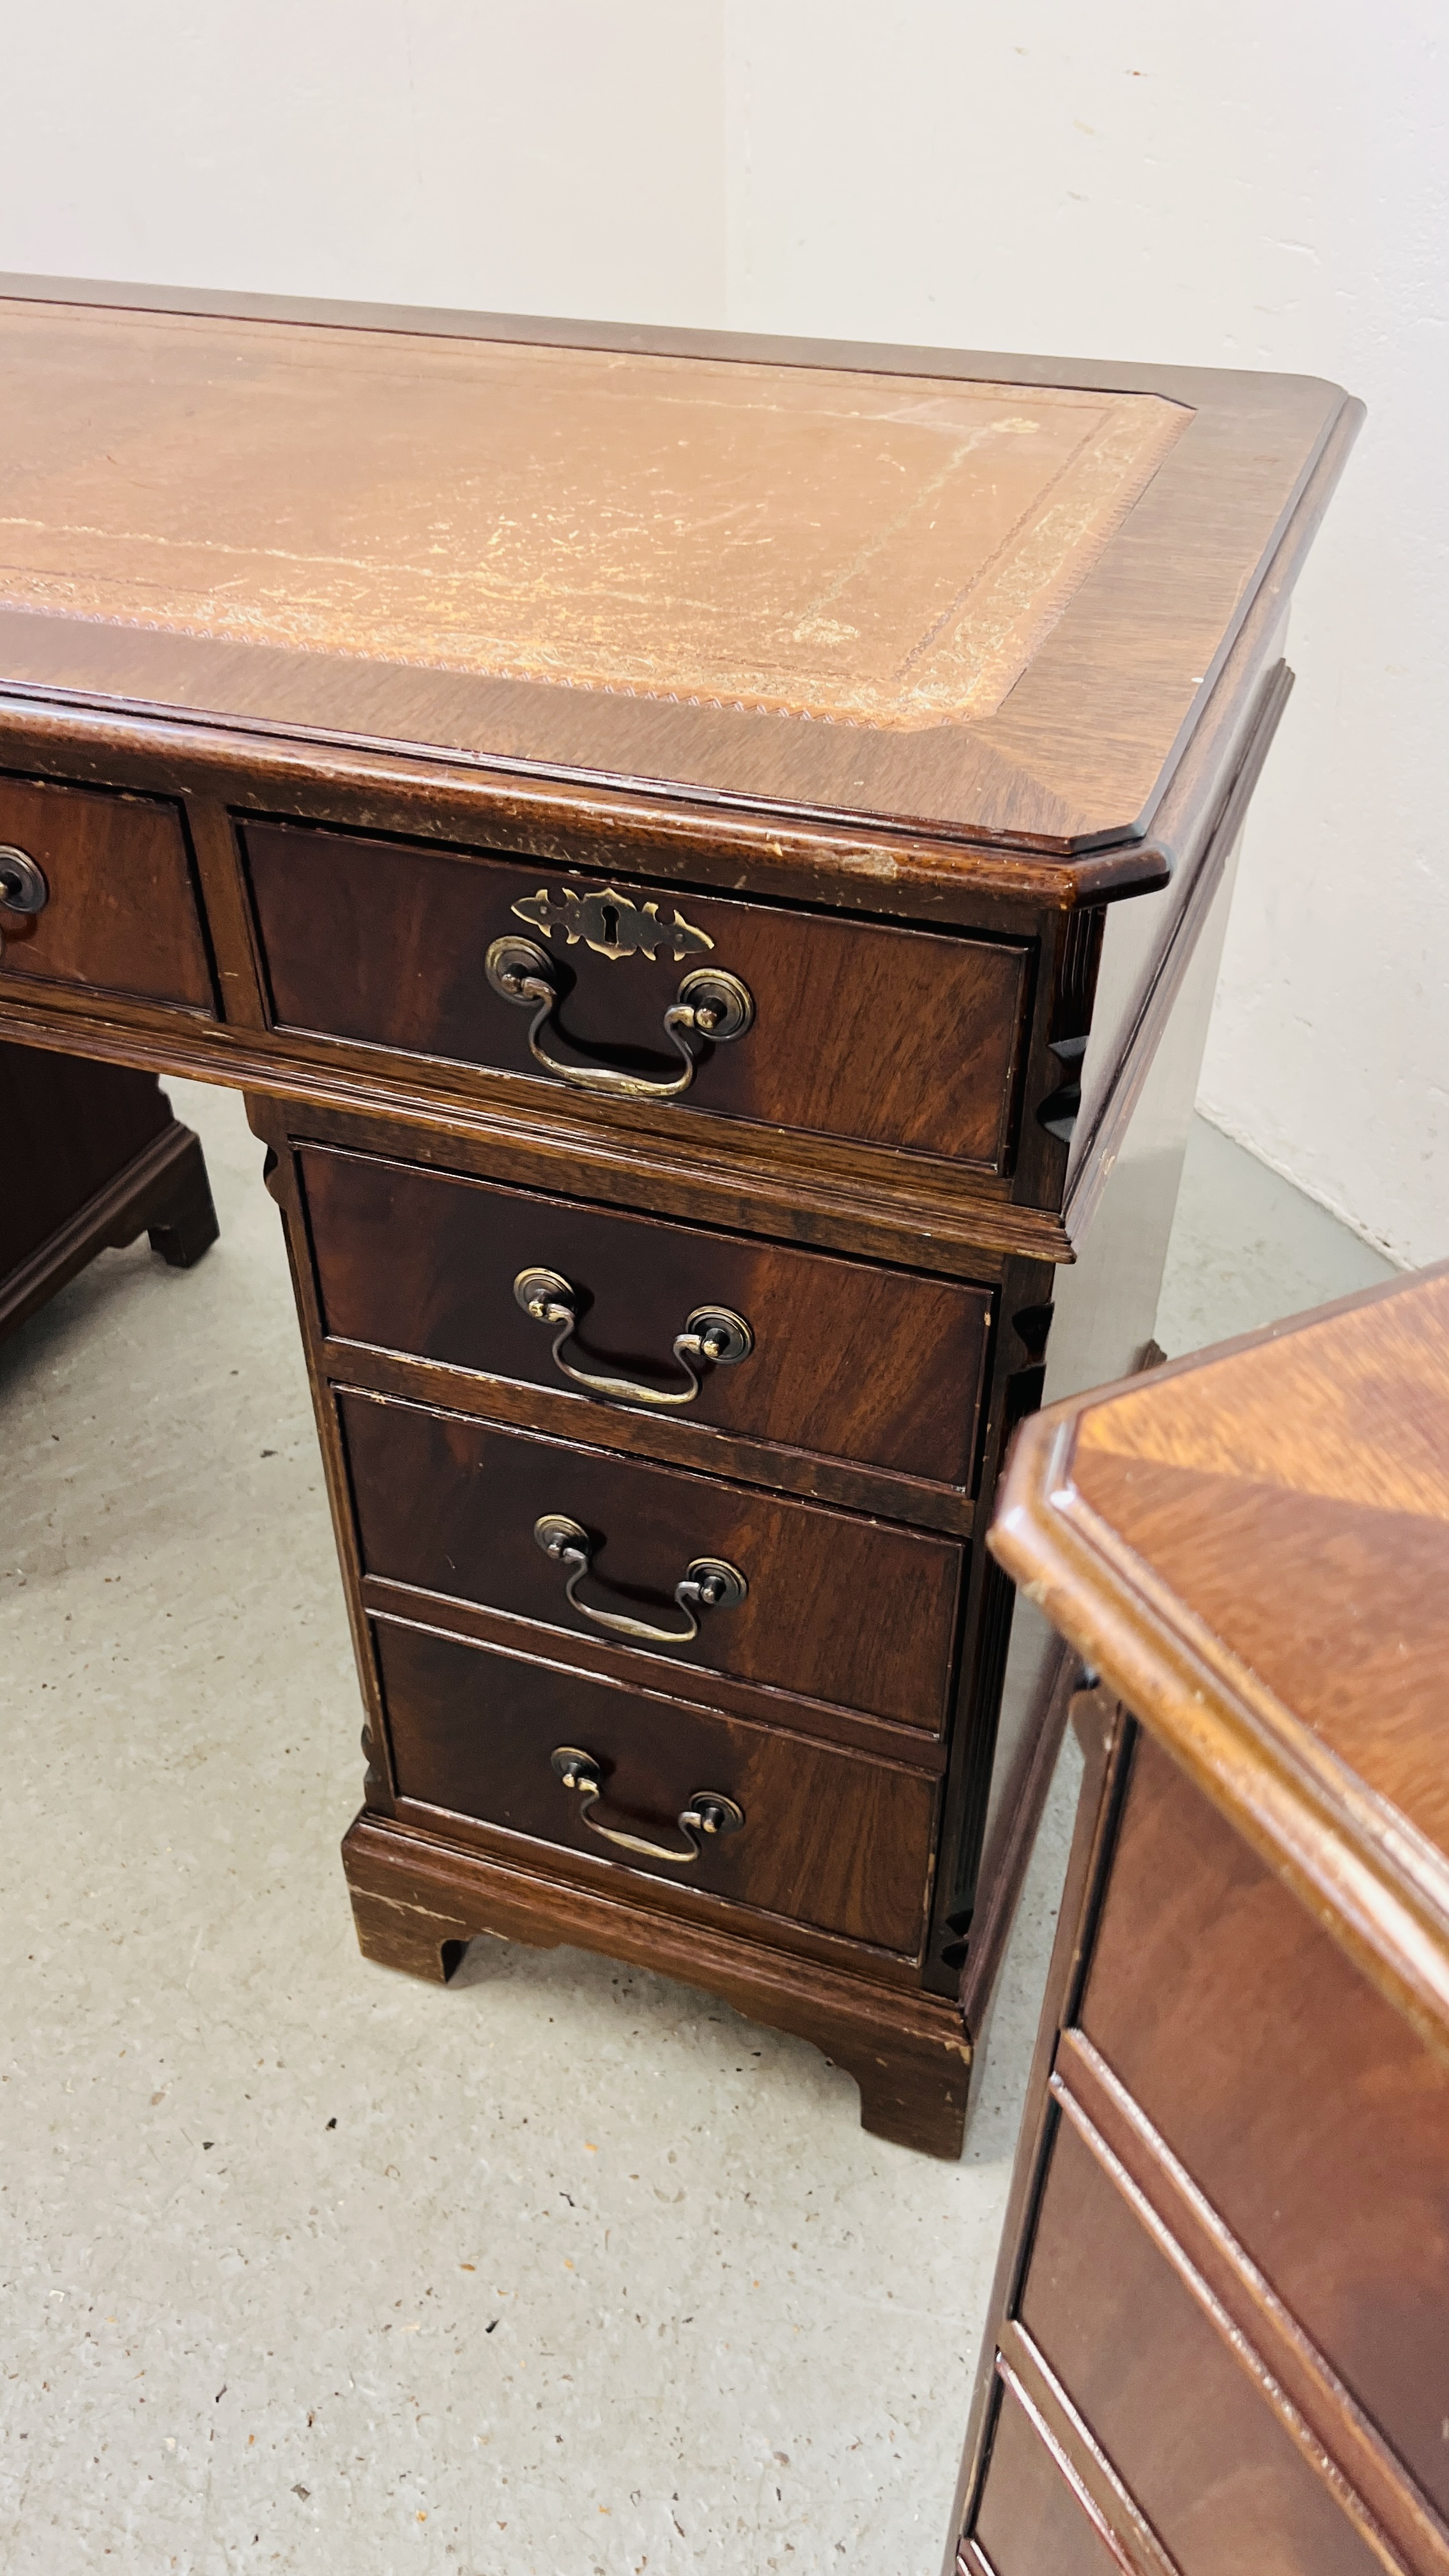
{"type": "Point", "coordinates": [118, 914]}
{"type": "Point", "coordinates": [1030, 2522]}
{"type": "Point", "coordinates": [1301, 2103]}
{"type": "Point", "coordinates": [840, 1609]}
{"type": "Point", "coordinates": [848, 1362]}
{"type": "Point", "coordinates": [1185, 2425]}
{"type": "Point", "coordinates": [837, 1843]}
{"type": "Point", "coordinates": [899, 1038]}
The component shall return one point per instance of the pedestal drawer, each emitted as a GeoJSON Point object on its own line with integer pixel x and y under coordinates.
{"type": "Point", "coordinates": [888, 1037]}
{"type": "Point", "coordinates": [823, 1838]}
{"type": "Point", "coordinates": [1031, 2521]}
{"type": "Point", "coordinates": [1182, 2416]}
{"type": "Point", "coordinates": [840, 1609]}
{"type": "Point", "coordinates": [95, 892]}
{"type": "Point", "coordinates": [850, 1362]}
{"type": "Point", "coordinates": [1331, 2167]}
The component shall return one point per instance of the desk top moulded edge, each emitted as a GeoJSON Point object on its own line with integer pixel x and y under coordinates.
{"type": "Point", "coordinates": [1309, 1780]}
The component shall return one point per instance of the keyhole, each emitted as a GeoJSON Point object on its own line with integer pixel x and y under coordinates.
{"type": "Point", "coordinates": [611, 924]}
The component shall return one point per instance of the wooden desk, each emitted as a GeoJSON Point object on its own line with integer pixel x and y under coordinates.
{"type": "Point", "coordinates": [708, 859]}
{"type": "Point", "coordinates": [1220, 2337]}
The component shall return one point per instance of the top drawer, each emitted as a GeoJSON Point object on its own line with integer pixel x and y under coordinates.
{"type": "Point", "coordinates": [840, 1359]}
{"type": "Point", "coordinates": [900, 1038]}
{"type": "Point", "coordinates": [95, 892]}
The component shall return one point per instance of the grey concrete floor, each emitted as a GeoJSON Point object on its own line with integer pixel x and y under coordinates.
{"type": "Point", "coordinates": [307, 2266]}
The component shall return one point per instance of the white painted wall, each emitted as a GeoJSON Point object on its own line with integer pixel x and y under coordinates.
{"type": "Point", "coordinates": [1246, 186]}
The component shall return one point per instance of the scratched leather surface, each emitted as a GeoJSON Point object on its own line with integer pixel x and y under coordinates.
{"type": "Point", "coordinates": [883, 550]}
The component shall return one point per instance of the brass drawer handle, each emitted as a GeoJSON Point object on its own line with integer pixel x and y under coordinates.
{"type": "Point", "coordinates": [707, 1583]}
{"type": "Point", "coordinates": [713, 1337]}
{"type": "Point", "coordinates": [22, 887]}
{"type": "Point", "coordinates": [711, 1005]}
{"type": "Point", "coordinates": [708, 1811]}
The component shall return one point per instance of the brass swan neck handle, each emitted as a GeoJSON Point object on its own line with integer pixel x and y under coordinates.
{"type": "Point", "coordinates": [713, 1337]}
{"type": "Point", "coordinates": [710, 1006]}
{"type": "Point", "coordinates": [708, 1811]}
{"type": "Point", "coordinates": [707, 1583]}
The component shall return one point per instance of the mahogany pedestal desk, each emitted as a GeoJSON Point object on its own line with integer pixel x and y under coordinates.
{"type": "Point", "coordinates": [708, 858]}
{"type": "Point", "coordinates": [1220, 2333]}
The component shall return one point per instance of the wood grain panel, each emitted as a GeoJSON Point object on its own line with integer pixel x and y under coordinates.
{"type": "Point", "coordinates": [828, 1839]}
{"type": "Point", "coordinates": [1031, 2521]}
{"type": "Point", "coordinates": [1314, 1466]}
{"type": "Point", "coordinates": [844, 1611]}
{"type": "Point", "coordinates": [884, 1036]}
{"type": "Point", "coordinates": [121, 916]}
{"type": "Point", "coordinates": [1330, 2165]}
{"type": "Point", "coordinates": [1217, 2475]}
{"type": "Point", "coordinates": [848, 1362]}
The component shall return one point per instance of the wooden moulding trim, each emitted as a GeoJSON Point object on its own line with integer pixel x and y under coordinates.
{"type": "Point", "coordinates": [209, 1052]}
{"type": "Point", "coordinates": [712, 1204]}
{"type": "Point", "coordinates": [1333, 2432]}
{"type": "Point", "coordinates": [1191, 385]}
{"type": "Point", "coordinates": [1178, 825]}
{"type": "Point", "coordinates": [1116, 2517]}
{"type": "Point", "coordinates": [1377, 1886]}
{"type": "Point", "coordinates": [114, 1216]}
{"type": "Point", "coordinates": [834, 2008]}
{"type": "Point", "coordinates": [890, 863]}
{"type": "Point", "coordinates": [1093, 1168]}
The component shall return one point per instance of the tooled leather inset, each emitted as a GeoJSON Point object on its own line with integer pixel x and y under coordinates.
{"type": "Point", "coordinates": [864, 549]}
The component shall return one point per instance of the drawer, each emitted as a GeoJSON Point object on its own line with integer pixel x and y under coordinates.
{"type": "Point", "coordinates": [900, 1038]}
{"type": "Point", "coordinates": [837, 1608]}
{"type": "Point", "coordinates": [117, 912]}
{"type": "Point", "coordinates": [1302, 2104]}
{"type": "Point", "coordinates": [844, 1361]}
{"type": "Point", "coordinates": [827, 1840]}
{"type": "Point", "coordinates": [1030, 2522]}
{"type": "Point", "coordinates": [1187, 2427]}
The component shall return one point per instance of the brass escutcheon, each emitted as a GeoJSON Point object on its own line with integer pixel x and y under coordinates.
{"type": "Point", "coordinates": [610, 923]}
